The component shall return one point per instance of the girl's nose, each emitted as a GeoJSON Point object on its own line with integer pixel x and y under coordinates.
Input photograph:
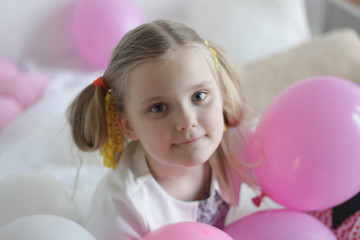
{"type": "Point", "coordinates": [185, 120]}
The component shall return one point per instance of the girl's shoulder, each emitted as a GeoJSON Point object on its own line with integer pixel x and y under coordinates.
{"type": "Point", "coordinates": [130, 175]}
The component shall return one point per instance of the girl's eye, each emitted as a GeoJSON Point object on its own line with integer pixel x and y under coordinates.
{"type": "Point", "coordinates": [158, 108]}
{"type": "Point", "coordinates": [199, 96]}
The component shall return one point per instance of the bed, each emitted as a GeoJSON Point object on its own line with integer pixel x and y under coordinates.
{"type": "Point", "coordinates": [270, 43]}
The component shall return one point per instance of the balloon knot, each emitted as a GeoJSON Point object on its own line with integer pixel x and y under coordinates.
{"type": "Point", "coordinates": [258, 199]}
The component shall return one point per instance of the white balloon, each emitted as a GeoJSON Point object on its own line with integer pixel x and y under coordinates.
{"type": "Point", "coordinates": [44, 227]}
{"type": "Point", "coordinates": [30, 193]}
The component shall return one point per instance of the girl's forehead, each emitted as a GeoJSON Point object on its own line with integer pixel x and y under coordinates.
{"type": "Point", "coordinates": [184, 68]}
{"type": "Point", "coordinates": [179, 60]}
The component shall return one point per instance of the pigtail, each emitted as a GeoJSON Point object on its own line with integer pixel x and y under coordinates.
{"type": "Point", "coordinates": [86, 116]}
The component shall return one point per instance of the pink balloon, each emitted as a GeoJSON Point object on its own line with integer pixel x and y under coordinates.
{"type": "Point", "coordinates": [10, 109]}
{"type": "Point", "coordinates": [308, 144]}
{"type": "Point", "coordinates": [7, 69]}
{"type": "Point", "coordinates": [279, 224]}
{"type": "Point", "coordinates": [98, 25]}
{"type": "Point", "coordinates": [187, 230]}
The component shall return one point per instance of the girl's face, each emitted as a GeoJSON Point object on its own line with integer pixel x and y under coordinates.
{"type": "Point", "coordinates": [175, 109]}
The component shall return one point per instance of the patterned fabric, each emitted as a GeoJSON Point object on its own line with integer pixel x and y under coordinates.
{"type": "Point", "coordinates": [213, 211]}
{"type": "Point", "coordinates": [343, 219]}
{"type": "Point", "coordinates": [348, 230]}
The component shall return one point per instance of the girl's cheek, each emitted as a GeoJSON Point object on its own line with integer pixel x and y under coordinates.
{"type": "Point", "coordinates": [213, 115]}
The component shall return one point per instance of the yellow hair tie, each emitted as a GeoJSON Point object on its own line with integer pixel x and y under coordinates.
{"type": "Point", "coordinates": [114, 140]}
{"type": "Point", "coordinates": [214, 54]}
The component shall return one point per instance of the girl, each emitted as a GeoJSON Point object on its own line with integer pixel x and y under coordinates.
{"type": "Point", "coordinates": [159, 116]}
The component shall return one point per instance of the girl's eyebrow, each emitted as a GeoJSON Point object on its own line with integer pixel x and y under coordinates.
{"type": "Point", "coordinates": [204, 84]}
{"type": "Point", "coordinates": [149, 100]}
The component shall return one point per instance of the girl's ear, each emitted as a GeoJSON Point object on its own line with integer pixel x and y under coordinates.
{"type": "Point", "coordinates": [126, 128]}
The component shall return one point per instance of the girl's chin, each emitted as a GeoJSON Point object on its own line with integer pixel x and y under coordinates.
{"type": "Point", "coordinates": [194, 162]}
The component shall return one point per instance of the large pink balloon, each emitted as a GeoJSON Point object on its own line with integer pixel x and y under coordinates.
{"type": "Point", "coordinates": [279, 225]}
{"type": "Point", "coordinates": [189, 231]}
{"type": "Point", "coordinates": [98, 25]}
{"type": "Point", "coordinates": [308, 144]}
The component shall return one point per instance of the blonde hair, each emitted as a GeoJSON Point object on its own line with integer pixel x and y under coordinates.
{"type": "Point", "coordinates": [153, 40]}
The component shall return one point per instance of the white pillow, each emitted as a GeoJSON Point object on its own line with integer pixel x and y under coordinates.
{"type": "Point", "coordinates": [247, 29]}
{"type": "Point", "coordinates": [36, 29]}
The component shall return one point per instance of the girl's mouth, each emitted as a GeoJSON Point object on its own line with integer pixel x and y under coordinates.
{"type": "Point", "coordinates": [189, 141]}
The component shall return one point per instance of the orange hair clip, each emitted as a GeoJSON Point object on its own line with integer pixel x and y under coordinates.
{"type": "Point", "coordinates": [99, 82]}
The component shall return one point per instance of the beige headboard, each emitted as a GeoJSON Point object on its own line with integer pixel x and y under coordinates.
{"type": "Point", "coordinates": [335, 54]}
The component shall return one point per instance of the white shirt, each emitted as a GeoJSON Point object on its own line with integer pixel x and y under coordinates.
{"type": "Point", "coordinates": [129, 203]}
